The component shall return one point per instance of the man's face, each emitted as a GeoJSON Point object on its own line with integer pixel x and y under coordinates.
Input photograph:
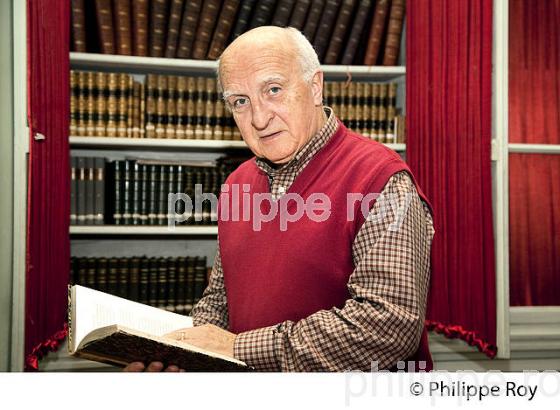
{"type": "Point", "coordinates": [275, 109]}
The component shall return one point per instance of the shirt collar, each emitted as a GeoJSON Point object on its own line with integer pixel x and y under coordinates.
{"type": "Point", "coordinates": [304, 155]}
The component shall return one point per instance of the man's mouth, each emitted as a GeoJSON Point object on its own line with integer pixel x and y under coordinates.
{"type": "Point", "coordinates": [269, 136]}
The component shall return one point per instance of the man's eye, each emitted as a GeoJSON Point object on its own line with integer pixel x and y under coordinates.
{"type": "Point", "coordinates": [240, 102]}
{"type": "Point", "coordinates": [274, 90]}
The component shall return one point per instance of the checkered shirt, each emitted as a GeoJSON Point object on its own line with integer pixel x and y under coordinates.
{"type": "Point", "coordinates": [383, 319]}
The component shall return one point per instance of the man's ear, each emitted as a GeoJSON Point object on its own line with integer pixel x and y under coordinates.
{"type": "Point", "coordinates": [317, 88]}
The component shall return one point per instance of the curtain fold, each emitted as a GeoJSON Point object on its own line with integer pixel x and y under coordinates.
{"type": "Point", "coordinates": [449, 108]}
{"type": "Point", "coordinates": [48, 199]}
{"type": "Point", "coordinates": [534, 117]}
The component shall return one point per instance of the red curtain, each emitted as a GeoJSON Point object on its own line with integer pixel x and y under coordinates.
{"type": "Point", "coordinates": [534, 117]}
{"type": "Point", "coordinates": [448, 107]}
{"type": "Point", "coordinates": [48, 246]}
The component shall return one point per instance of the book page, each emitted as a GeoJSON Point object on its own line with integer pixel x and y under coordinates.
{"type": "Point", "coordinates": [94, 309]}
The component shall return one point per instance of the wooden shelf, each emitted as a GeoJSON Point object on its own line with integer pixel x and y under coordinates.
{"type": "Point", "coordinates": [154, 143]}
{"type": "Point", "coordinates": [110, 230]}
{"type": "Point", "coordinates": [162, 144]}
{"type": "Point", "coordinates": [144, 65]}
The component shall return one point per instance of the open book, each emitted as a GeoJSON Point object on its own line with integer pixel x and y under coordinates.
{"type": "Point", "coordinates": [117, 331]}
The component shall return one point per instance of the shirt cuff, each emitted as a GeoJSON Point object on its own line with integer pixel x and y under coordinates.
{"type": "Point", "coordinates": [256, 348]}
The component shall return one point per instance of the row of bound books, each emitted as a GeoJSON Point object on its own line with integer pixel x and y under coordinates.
{"type": "Point", "coordinates": [338, 29]}
{"type": "Point", "coordinates": [137, 192]}
{"type": "Point", "coordinates": [173, 284]}
{"type": "Point", "coordinates": [167, 106]}
{"type": "Point", "coordinates": [367, 108]}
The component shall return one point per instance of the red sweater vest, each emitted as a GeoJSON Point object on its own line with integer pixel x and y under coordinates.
{"type": "Point", "coordinates": [288, 271]}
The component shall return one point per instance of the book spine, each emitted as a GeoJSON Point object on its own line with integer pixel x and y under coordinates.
{"type": "Point", "coordinates": [189, 25]}
{"type": "Point", "coordinates": [143, 194]}
{"type": "Point", "coordinates": [102, 268]}
{"type": "Point", "coordinates": [89, 188]}
{"type": "Point", "coordinates": [297, 20]}
{"type": "Point", "coordinates": [171, 176]}
{"type": "Point", "coordinates": [181, 292]}
{"type": "Point", "coordinates": [101, 109]}
{"type": "Point", "coordinates": [105, 26]}
{"type": "Point", "coordinates": [143, 291]}
{"type": "Point", "coordinates": [391, 112]}
{"type": "Point", "coordinates": [208, 17]}
{"type": "Point", "coordinates": [189, 300]}
{"type": "Point", "coordinates": [162, 283]}
{"type": "Point", "coordinates": [122, 26]}
{"type": "Point", "coordinates": [151, 90]}
{"type": "Point", "coordinates": [140, 27]}
{"type": "Point", "coordinates": [113, 276]}
{"type": "Point", "coordinates": [153, 171]}
{"type": "Point", "coordinates": [200, 107]}
{"type": "Point", "coordinates": [383, 112]}
{"type": "Point", "coordinates": [368, 124]}
{"type": "Point", "coordinates": [90, 104]}
{"type": "Point", "coordinates": [358, 27]}
{"type": "Point", "coordinates": [91, 273]}
{"type": "Point", "coordinates": [118, 172]}
{"type": "Point", "coordinates": [158, 17]}
{"type": "Point", "coordinates": [313, 18]}
{"type": "Point", "coordinates": [376, 32]}
{"type": "Point", "coordinates": [161, 107]}
{"type": "Point", "coordinates": [175, 13]}
{"type": "Point", "coordinates": [134, 284]}
{"type": "Point", "coordinates": [74, 95]}
{"type": "Point", "coordinates": [223, 28]}
{"type": "Point", "coordinates": [162, 195]}
{"type": "Point", "coordinates": [127, 192]}
{"type": "Point", "coordinates": [339, 32]}
{"type": "Point", "coordinates": [171, 123]}
{"type": "Point", "coordinates": [263, 13]}
{"type": "Point", "coordinates": [171, 284]}
{"type": "Point", "coordinates": [73, 191]}
{"type": "Point", "coordinates": [153, 282]}
{"type": "Point", "coordinates": [112, 105]}
{"type": "Point", "coordinates": [78, 26]}
{"type": "Point", "coordinates": [122, 105]}
{"type": "Point", "coordinates": [282, 13]}
{"type": "Point", "coordinates": [130, 106]}
{"type": "Point", "coordinates": [209, 115]}
{"type": "Point", "coordinates": [179, 188]}
{"type": "Point", "coordinates": [324, 29]}
{"type": "Point", "coordinates": [375, 112]}
{"type": "Point", "coordinates": [99, 191]}
{"type": "Point", "coordinates": [135, 198]}
{"type": "Point", "coordinates": [192, 96]}
{"type": "Point", "coordinates": [243, 18]}
{"type": "Point", "coordinates": [123, 278]}
{"type": "Point", "coordinates": [394, 32]}
{"type": "Point", "coordinates": [181, 107]}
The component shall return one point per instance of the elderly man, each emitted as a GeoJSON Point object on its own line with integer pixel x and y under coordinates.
{"type": "Point", "coordinates": [336, 290]}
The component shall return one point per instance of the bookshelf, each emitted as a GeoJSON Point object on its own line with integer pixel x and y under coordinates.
{"type": "Point", "coordinates": [114, 230]}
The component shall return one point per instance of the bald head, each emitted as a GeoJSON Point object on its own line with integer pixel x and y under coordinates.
{"type": "Point", "coordinates": [272, 40]}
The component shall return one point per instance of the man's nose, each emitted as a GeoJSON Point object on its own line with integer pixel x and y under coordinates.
{"type": "Point", "coordinates": [261, 116]}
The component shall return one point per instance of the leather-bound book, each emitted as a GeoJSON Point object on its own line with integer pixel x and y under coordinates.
{"type": "Point", "coordinates": [104, 16]}
{"type": "Point", "coordinates": [313, 18]}
{"type": "Point", "coordinates": [181, 107]}
{"type": "Point", "coordinates": [175, 14]}
{"type": "Point", "coordinates": [134, 285]}
{"type": "Point", "coordinates": [394, 32]}
{"type": "Point", "coordinates": [123, 278]}
{"type": "Point", "coordinates": [112, 105]}
{"type": "Point", "coordinates": [158, 27]}
{"type": "Point", "coordinates": [144, 280]}
{"type": "Point", "coordinates": [376, 33]}
{"type": "Point", "coordinates": [181, 291]}
{"type": "Point", "coordinates": [189, 285]}
{"type": "Point", "coordinates": [153, 282]}
{"type": "Point", "coordinates": [358, 27]}
{"type": "Point", "coordinates": [171, 284]}
{"type": "Point", "coordinates": [281, 16]}
{"type": "Point", "coordinates": [205, 29]}
{"type": "Point", "coordinates": [135, 195]}
{"type": "Point", "coordinates": [223, 29]}
{"type": "Point", "coordinates": [161, 106]}
{"type": "Point", "coordinates": [297, 20]}
{"type": "Point", "coordinates": [91, 273]}
{"type": "Point", "coordinates": [121, 14]}
{"type": "Point", "coordinates": [339, 32]}
{"type": "Point", "coordinates": [102, 115]}
{"type": "Point", "coordinates": [200, 107]}
{"type": "Point", "coordinates": [143, 194]}
{"type": "Point", "coordinates": [263, 13]}
{"type": "Point", "coordinates": [151, 98]}
{"type": "Point", "coordinates": [127, 192]}
{"type": "Point", "coordinates": [102, 268]}
{"type": "Point", "coordinates": [74, 95]}
{"type": "Point", "coordinates": [189, 24]}
{"type": "Point", "coordinates": [325, 28]}
{"type": "Point", "coordinates": [78, 26]}
{"type": "Point", "coordinates": [113, 276]}
{"type": "Point", "coordinates": [171, 123]}
{"type": "Point", "coordinates": [162, 283]}
{"type": "Point", "coordinates": [246, 9]}
{"type": "Point", "coordinates": [90, 103]}
{"type": "Point", "coordinates": [140, 27]}
{"type": "Point", "coordinates": [99, 191]}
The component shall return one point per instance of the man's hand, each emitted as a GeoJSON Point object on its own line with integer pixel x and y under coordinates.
{"type": "Point", "coordinates": [209, 337]}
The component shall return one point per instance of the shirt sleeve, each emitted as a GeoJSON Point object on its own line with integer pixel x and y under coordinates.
{"type": "Point", "coordinates": [382, 321]}
{"type": "Point", "coordinates": [212, 306]}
